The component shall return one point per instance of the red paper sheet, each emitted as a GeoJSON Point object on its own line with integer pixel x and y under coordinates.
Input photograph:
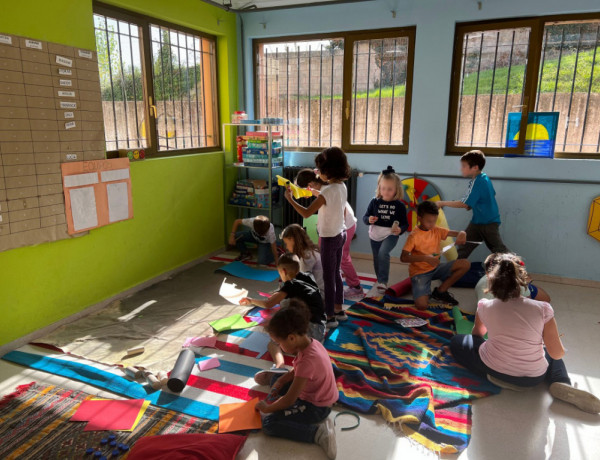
{"type": "Point", "coordinates": [108, 414]}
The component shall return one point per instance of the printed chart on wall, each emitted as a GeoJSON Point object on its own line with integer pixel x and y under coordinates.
{"type": "Point", "coordinates": [97, 193]}
{"type": "Point", "coordinates": [50, 114]}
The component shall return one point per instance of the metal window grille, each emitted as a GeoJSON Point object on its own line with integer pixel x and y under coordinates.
{"type": "Point", "coordinates": [302, 82]}
{"type": "Point", "coordinates": [119, 61]}
{"type": "Point", "coordinates": [379, 70]}
{"type": "Point", "coordinates": [492, 79]}
{"type": "Point", "coordinates": [184, 81]}
{"type": "Point", "coordinates": [569, 83]}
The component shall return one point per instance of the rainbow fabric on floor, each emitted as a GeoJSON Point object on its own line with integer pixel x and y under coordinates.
{"type": "Point", "coordinates": [406, 374]}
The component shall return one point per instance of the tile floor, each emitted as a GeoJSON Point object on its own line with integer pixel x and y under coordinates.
{"type": "Point", "coordinates": [528, 425]}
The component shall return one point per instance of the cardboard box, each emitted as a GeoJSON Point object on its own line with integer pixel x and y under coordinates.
{"type": "Point", "coordinates": [40, 102]}
{"type": "Point", "coordinates": [37, 79]}
{"type": "Point", "coordinates": [36, 67]}
{"type": "Point", "coordinates": [71, 146]}
{"type": "Point", "coordinates": [10, 64]}
{"type": "Point", "coordinates": [17, 125]}
{"type": "Point", "coordinates": [89, 155]}
{"type": "Point", "coordinates": [50, 200]}
{"type": "Point", "coordinates": [27, 203]}
{"type": "Point", "coordinates": [63, 72]}
{"type": "Point", "coordinates": [48, 179]}
{"type": "Point", "coordinates": [18, 193]}
{"type": "Point", "coordinates": [42, 114]}
{"type": "Point", "coordinates": [30, 44]}
{"type": "Point", "coordinates": [51, 221]}
{"type": "Point", "coordinates": [70, 135]}
{"type": "Point", "coordinates": [39, 91]}
{"type": "Point", "coordinates": [9, 100]}
{"type": "Point", "coordinates": [9, 76]}
{"type": "Point", "coordinates": [20, 181]}
{"type": "Point", "coordinates": [14, 112]}
{"type": "Point", "coordinates": [62, 50]}
{"type": "Point", "coordinates": [19, 170]}
{"type": "Point", "coordinates": [90, 75]}
{"type": "Point", "coordinates": [25, 214]}
{"type": "Point", "coordinates": [47, 157]}
{"type": "Point", "coordinates": [46, 147]}
{"type": "Point", "coordinates": [93, 135]}
{"type": "Point", "coordinates": [47, 168]}
{"type": "Point", "coordinates": [45, 136]}
{"type": "Point", "coordinates": [15, 136]}
{"type": "Point", "coordinates": [10, 52]}
{"type": "Point", "coordinates": [39, 57]}
{"type": "Point", "coordinates": [49, 189]}
{"type": "Point", "coordinates": [15, 147]}
{"type": "Point", "coordinates": [52, 210]}
{"type": "Point", "coordinates": [44, 125]}
{"type": "Point", "coordinates": [24, 225]}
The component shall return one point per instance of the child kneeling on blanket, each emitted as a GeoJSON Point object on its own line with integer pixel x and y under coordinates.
{"type": "Point", "coordinates": [303, 396]}
{"type": "Point", "coordinates": [422, 251]}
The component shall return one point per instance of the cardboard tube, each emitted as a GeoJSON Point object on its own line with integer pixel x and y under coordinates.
{"type": "Point", "coordinates": [399, 289]}
{"type": "Point", "coordinates": [182, 370]}
{"type": "Point", "coordinates": [152, 380]}
{"type": "Point", "coordinates": [163, 377]}
{"type": "Point", "coordinates": [135, 351]}
{"type": "Point", "coordinates": [133, 372]}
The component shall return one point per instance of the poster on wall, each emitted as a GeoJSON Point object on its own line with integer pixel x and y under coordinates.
{"type": "Point", "coordinates": [540, 137]}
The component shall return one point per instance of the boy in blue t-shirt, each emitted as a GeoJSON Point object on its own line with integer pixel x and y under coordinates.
{"type": "Point", "coordinates": [481, 198]}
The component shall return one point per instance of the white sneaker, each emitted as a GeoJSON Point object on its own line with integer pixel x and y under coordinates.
{"type": "Point", "coordinates": [583, 400]}
{"type": "Point", "coordinates": [332, 323]}
{"type": "Point", "coordinates": [374, 291]}
{"type": "Point", "coordinates": [325, 437]}
{"type": "Point", "coordinates": [381, 287]}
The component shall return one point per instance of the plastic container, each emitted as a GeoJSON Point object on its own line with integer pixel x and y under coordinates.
{"type": "Point", "coordinates": [238, 116]}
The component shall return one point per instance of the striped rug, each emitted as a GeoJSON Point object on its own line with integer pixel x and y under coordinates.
{"type": "Point", "coordinates": [34, 424]}
{"type": "Point", "coordinates": [231, 382]}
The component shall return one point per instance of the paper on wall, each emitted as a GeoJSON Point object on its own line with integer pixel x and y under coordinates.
{"type": "Point", "coordinates": [118, 201]}
{"type": "Point", "coordinates": [231, 293]}
{"type": "Point", "coordinates": [83, 205]}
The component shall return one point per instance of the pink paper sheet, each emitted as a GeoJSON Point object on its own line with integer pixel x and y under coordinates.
{"type": "Point", "coordinates": [207, 364]}
{"type": "Point", "coordinates": [208, 341]}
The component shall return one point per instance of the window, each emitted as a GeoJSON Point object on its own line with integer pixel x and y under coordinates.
{"type": "Point", "coordinates": [348, 89]}
{"type": "Point", "coordinates": [537, 65]}
{"type": "Point", "coordinates": [158, 84]}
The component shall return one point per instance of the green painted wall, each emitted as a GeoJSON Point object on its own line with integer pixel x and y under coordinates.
{"type": "Point", "coordinates": [177, 202]}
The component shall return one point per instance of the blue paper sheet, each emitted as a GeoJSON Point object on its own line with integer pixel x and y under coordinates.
{"type": "Point", "coordinates": [256, 342]}
{"type": "Point", "coordinates": [241, 270]}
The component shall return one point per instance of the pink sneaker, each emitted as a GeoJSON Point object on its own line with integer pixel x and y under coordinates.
{"type": "Point", "coordinates": [354, 293]}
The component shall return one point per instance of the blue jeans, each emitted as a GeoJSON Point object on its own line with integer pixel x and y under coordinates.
{"type": "Point", "coordinates": [265, 255]}
{"type": "Point", "coordinates": [421, 284]}
{"type": "Point", "coordinates": [465, 349]}
{"type": "Point", "coordinates": [381, 257]}
{"type": "Point", "coordinates": [298, 422]}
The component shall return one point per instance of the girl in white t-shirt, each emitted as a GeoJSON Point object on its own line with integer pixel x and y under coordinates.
{"type": "Point", "coordinates": [333, 168]}
{"type": "Point", "coordinates": [523, 347]}
{"type": "Point", "coordinates": [297, 241]}
{"type": "Point", "coordinates": [307, 178]}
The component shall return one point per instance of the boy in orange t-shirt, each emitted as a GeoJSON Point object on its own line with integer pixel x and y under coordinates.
{"type": "Point", "coordinates": [422, 251]}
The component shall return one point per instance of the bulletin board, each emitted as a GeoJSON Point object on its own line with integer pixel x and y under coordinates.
{"type": "Point", "coordinates": [97, 193]}
{"type": "Point", "coordinates": [50, 114]}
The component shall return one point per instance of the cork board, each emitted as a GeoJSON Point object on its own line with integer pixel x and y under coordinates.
{"type": "Point", "coordinates": [50, 114]}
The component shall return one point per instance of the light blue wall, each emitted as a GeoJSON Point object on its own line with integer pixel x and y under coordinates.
{"type": "Point", "coordinates": [546, 223]}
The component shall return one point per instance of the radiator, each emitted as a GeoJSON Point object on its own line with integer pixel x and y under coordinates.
{"type": "Point", "coordinates": [290, 216]}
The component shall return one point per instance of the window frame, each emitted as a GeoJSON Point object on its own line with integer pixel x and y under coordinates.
{"type": "Point", "coordinates": [144, 23]}
{"type": "Point", "coordinates": [349, 38]}
{"type": "Point", "coordinates": [536, 40]}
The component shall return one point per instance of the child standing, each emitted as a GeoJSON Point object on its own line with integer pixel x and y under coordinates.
{"type": "Point", "coordinates": [307, 178]}
{"type": "Point", "coordinates": [523, 347]}
{"type": "Point", "coordinates": [297, 242]}
{"type": "Point", "coordinates": [481, 198]}
{"type": "Point", "coordinates": [304, 395]}
{"type": "Point", "coordinates": [386, 218]}
{"type": "Point", "coordinates": [261, 232]}
{"type": "Point", "coordinates": [422, 252]}
{"type": "Point", "coordinates": [333, 169]}
{"type": "Point", "coordinates": [296, 285]}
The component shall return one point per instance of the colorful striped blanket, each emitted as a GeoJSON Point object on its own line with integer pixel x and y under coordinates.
{"type": "Point", "coordinates": [406, 374]}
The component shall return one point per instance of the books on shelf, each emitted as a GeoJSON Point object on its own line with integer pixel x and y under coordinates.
{"type": "Point", "coordinates": [254, 193]}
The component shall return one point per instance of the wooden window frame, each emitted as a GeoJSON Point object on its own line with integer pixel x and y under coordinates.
{"type": "Point", "coordinates": [531, 78]}
{"type": "Point", "coordinates": [349, 38]}
{"type": "Point", "coordinates": [144, 22]}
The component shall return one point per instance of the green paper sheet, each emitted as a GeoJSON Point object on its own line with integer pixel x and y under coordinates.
{"type": "Point", "coordinates": [231, 323]}
{"type": "Point", "coordinates": [463, 326]}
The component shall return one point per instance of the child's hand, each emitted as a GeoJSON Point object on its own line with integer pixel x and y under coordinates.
{"type": "Point", "coordinates": [288, 194]}
{"type": "Point", "coordinates": [232, 239]}
{"type": "Point", "coordinates": [396, 230]}
{"type": "Point", "coordinates": [373, 219]}
{"type": "Point", "coordinates": [314, 191]}
{"type": "Point", "coordinates": [440, 204]}
{"type": "Point", "coordinates": [261, 406]}
{"type": "Point", "coordinates": [461, 238]}
{"type": "Point", "coordinates": [433, 261]}
{"type": "Point", "coordinates": [246, 301]}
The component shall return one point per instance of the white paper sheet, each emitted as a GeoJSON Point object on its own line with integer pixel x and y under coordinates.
{"type": "Point", "coordinates": [77, 180]}
{"type": "Point", "coordinates": [118, 201]}
{"type": "Point", "coordinates": [83, 207]}
{"type": "Point", "coordinates": [114, 174]}
{"type": "Point", "coordinates": [231, 293]}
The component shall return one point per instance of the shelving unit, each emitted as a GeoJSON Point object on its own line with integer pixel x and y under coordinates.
{"type": "Point", "coordinates": [244, 171]}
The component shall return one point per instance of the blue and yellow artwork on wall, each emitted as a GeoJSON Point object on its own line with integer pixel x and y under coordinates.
{"type": "Point", "coordinates": [540, 137]}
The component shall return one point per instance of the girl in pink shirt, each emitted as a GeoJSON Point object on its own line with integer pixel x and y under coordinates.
{"type": "Point", "coordinates": [523, 347]}
{"type": "Point", "coordinates": [301, 399]}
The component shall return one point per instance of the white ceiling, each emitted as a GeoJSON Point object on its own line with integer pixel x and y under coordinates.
{"type": "Point", "coordinates": [242, 4]}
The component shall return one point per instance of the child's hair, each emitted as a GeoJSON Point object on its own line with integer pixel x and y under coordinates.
{"type": "Point", "coordinates": [474, 158]}
{"type": "Point", "coordinates": [290, 263]}
{"type": "Point", "coordinates": [306, 176]}
{"type": "Point", "coordinates": [261, 225]}
{"type": "Point", "coordinates": [506, 275]}
{"type": "Point", "coordinates": [333, 163]}
{"type": "Point", "coordinates": [427, 207]}
{"type": "Point", "coordinates": [390, 174]}
{"type": "Point", "coordinates": [303, 245]}
{"type": "Point", "coordinates": [291, 319]}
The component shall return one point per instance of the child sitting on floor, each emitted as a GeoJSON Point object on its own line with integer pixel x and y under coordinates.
{"type": "Point", "coordinates": [422, 251]}
{"type": "Point", "coordinates": [297, 241]}
{"type": "Point", "coordinates": [531, 290]}
{"type": "Point", "coordinates": [386, 218]}
{"type": "Point", "coordinates": [262, 233]}
{"type": "Point", "coordinates": [296, 285]}
{"type": "Point", "coordinates": [304, 395]}
{"type": "Point", "coordinates": [523, 347]}
{"type": "Point", "coordinates": [307, 178]}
